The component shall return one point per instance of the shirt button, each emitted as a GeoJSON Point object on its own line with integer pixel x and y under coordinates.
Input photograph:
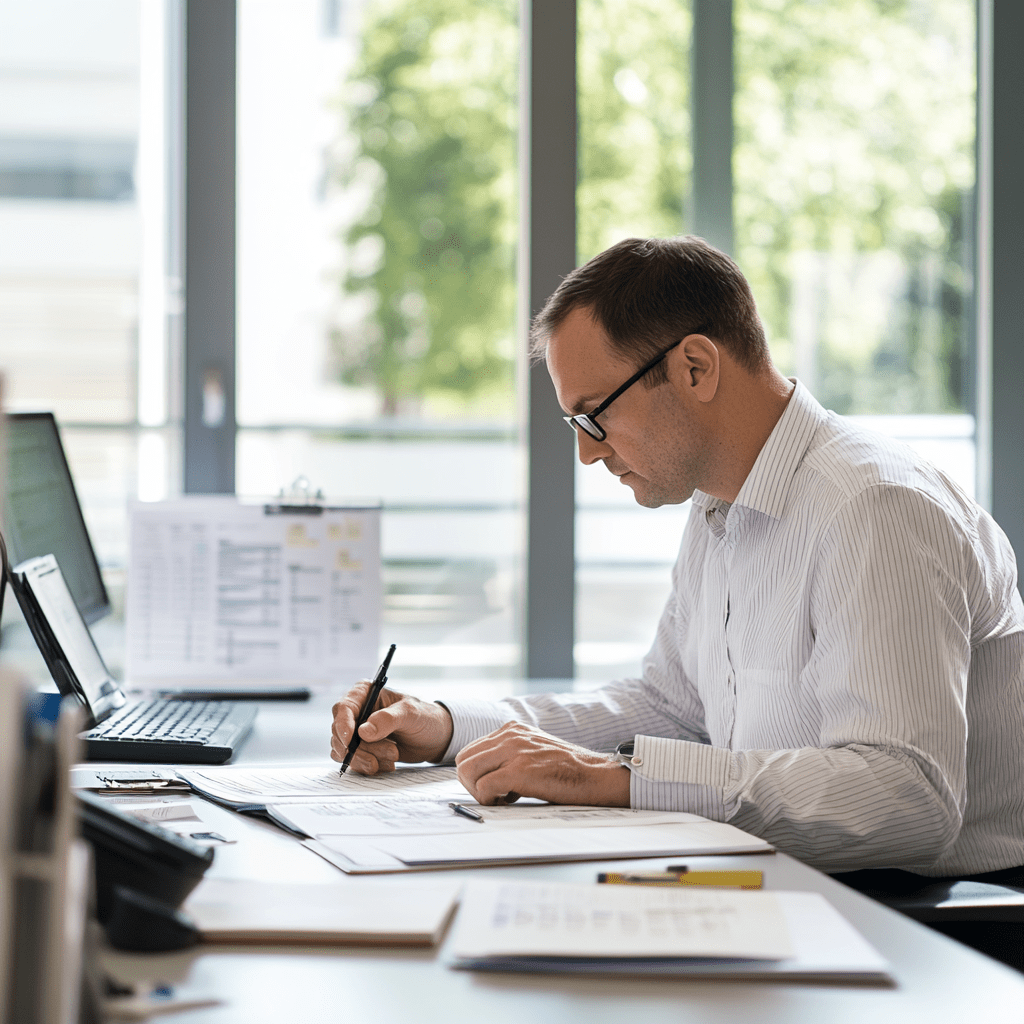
{"type": "Point", "coordinates": [636, 760]}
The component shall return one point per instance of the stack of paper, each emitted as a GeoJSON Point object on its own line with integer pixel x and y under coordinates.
{"type": "Point", "coordinates": [358, 913]}
{"type": "Point", "coordinates": [403, 821]}
{"type": "Point", "coordinates": [639, 930]}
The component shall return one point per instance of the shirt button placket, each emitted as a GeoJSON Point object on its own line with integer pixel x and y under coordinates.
{"type": "Point", "coordinates": [730, 682]}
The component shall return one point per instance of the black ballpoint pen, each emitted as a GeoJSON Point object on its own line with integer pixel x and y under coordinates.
{"type": "Point", "coordinates": [465, 812]}
{"type": "Point", "coordinates": [371, 699]}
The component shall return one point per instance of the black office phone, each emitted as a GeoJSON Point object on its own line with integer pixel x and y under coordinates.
{"type": "Point", "coordinates": [143, 874]}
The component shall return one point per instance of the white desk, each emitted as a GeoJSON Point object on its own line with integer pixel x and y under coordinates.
{"type": "Point", "coordinates": [937, 979]}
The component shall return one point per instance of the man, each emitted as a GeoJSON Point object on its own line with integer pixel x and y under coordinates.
{"type": "Point", "coordinates": [840, 666]}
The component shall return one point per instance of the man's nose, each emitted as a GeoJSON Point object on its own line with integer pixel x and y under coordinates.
{"type": "Point", "coordinates": [590, 449]}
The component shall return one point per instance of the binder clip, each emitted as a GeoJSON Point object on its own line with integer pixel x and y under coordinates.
{"type": "Point", "coordinates": [299, 498]}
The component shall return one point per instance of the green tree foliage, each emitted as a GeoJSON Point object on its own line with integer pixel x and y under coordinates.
{"type": "Point", "coordinates": [853, 166]}
{"type": "Point", "coordinates": [633, 68]}
{"type": "Point", "coordinates": [431, 103]}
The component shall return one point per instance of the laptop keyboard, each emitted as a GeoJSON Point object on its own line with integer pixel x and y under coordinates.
{"type": "Point", "coordinates": [169, 721]}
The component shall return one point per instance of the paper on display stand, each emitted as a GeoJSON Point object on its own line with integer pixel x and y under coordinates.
{"type": "Point", "coordinates": [222, 590]}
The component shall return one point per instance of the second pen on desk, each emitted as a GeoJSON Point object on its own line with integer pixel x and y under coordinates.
{"type": "Point", "coordinates": [371, 699]}
{"type": "Point", "coordinates": [466, 812]}
{"type": "Point", "coordinates": [736, 879]}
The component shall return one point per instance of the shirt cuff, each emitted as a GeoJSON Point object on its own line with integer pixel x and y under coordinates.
{"type": "Point", "coordinates": [472, 719]}
{"type": "Point", "coordinates": [677, 775]}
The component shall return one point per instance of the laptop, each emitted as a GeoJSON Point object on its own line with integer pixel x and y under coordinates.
{"type": "Point", "coordinates": [161, 731]}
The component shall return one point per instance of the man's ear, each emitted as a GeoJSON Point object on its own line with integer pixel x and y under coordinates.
{"type": "Point", "coordinates": [696, 365]}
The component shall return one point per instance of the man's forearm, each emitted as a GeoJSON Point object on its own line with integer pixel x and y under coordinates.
{"type": "Point", "coordinates": [597, 720]}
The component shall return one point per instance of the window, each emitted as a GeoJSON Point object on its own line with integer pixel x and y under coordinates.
{"type": "Point", "coordinates": [376, 260]}
{"type": "Point", "coordinates": [854, 195]}
{"type": "Point", "coordinates": [634, 176]}
{"type": "Point", "coordinates": [392, 308]}
{"type": "Point", "coordinates": [82, 211]}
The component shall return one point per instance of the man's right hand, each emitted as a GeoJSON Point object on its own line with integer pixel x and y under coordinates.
{"type": "Point", "coordinates": [401, 728]}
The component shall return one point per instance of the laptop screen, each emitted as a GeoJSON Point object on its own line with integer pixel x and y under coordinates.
{"type": "Point", "coordinates": [99, 690]}
{"type": "Point", "coordinates": [41, 511]}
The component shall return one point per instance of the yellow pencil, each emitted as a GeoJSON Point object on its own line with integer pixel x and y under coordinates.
{"type": "Point", "coordinates": [713, 879]}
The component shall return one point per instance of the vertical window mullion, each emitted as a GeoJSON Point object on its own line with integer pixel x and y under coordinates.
{"type": "Point", "coordinates": [548, 249]}
{"type": "Point", "coordinates": [711, 95]}
{"type": "Point", "coordinates": [1000, 291]}
{"type": "Point", "coordinates": [209, 442]}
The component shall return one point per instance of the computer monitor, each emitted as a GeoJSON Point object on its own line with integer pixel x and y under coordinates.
{"type": "Point", "coordinates": [41, 513]}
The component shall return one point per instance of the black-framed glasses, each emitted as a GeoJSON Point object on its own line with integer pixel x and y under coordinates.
{"type": "Point", "coordinates": [587, 421]}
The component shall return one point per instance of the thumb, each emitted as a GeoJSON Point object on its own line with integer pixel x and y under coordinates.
{"type": "Point", "coordinates": [382, 722]}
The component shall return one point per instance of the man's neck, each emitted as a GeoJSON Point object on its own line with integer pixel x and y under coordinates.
{"type": "Point", "coordinates": [751, 406]}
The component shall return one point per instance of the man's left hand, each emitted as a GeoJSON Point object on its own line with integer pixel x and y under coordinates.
{"type": "Point", "coordinates": [518, 760]}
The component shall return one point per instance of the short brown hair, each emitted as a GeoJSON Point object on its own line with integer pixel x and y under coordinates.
{"type": "Point", "coordinates": [648, 292]}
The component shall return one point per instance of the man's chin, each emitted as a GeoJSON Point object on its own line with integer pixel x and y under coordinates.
{"type": "Point", "coordinates": [647, 498]}
{"type": "Point", "coordinates": [641, 494]}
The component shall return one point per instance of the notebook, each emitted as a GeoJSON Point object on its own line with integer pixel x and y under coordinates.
{"type": "Point", "coordinates": [161, 731]}
{"type": "Point", "coordinates": [358, 913]}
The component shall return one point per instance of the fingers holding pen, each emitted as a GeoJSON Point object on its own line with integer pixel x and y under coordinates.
{"type": "Point", "coordinates": [370, 757]}
{"type": "Point", "coordinates": [401, 728]}
{"type": "Point", "coordinates": [344, 718]}
{"type": "Point", "coordinates": [374, 758]}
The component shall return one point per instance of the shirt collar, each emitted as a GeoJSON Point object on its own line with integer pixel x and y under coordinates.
{"type": "Point", "coordinates": [771, 476]}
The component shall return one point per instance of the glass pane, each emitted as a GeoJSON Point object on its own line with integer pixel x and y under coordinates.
{"type": "Point", "coordinates": [69, 216]}
{"type": "Point", "coordinates": [854, 177]}
{"type": "Point", "coordinates": [633, 69]}
{"type": "Point", "coordinates": [633, 65]}
{"type": "Point", "coordinates": [83, 200]}
{"type": "Point", "coordinates": [376, 296]}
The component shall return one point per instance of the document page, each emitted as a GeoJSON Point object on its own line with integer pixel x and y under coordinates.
{"type": "Point", "coordinates": [426, 810]}
{"type": "Point", "coordinates": [546, 841]}
{"type": "Point", "coordinates": [319, 782]}
{"type": "Point", "coordinates": [548, 928]}
{"type": "Point", "coordinates": [523, 919]}
{"type": "Point", "coordinates": [553, 844]}
{"type": "Point", "coordinates": [220, 590]}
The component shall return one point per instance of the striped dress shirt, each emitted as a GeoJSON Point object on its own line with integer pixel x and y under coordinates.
{"type": "Point", "coordinates": [838, 669]}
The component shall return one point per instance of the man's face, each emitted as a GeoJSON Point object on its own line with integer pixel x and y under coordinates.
{"type": "Point", "coordinates": [657, 442]}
